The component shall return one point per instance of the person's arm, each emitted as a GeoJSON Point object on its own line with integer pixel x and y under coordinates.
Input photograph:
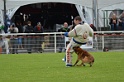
{"type": "Point", "coordinates": [4, 33]}
{"type": "Point", "coordinates": [89, 29]}
{"type": "Point", "coordinates": [91, 32]}
{"type": "Point", "coordinates": [110, 21]}
{"type": "Point", "coordinates": [16, 30]}
{"type": "Point", "coordinates": [8, 30]}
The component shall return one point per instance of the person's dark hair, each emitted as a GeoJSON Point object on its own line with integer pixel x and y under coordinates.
{"type": "Point", "coordinates": [78, 18]}
{"type": "Point", "coordinates": [13, 25]}
{"type": "Point", "coordinates": [29, 22]}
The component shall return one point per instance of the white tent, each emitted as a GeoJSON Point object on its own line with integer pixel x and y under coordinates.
{"type": "Point", "coordinates": [102, 4]}
{"type": "Point", "coordinates": [88, 3]}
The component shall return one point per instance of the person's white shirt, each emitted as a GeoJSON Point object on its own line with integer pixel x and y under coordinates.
{"type": "Point", "coordinates": [81, 32]}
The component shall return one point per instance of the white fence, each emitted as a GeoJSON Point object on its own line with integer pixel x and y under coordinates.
{"type": "Point", "coordinates": [55, 41]}
{"type": "Point", "coordinates": [113, 40]}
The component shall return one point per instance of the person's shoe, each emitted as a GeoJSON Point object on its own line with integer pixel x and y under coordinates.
{"type": "Point", "coordinates": [69, 65]}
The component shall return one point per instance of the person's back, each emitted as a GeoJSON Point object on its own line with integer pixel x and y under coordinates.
{"type": "Point", "coordinates": [13, 39]}
{"type": "Point", "coordinates": [81, 32]}
{"type": "Point", "coordinates": [61, 38]}
{"type": "Point", "coordinates": [39, 39]}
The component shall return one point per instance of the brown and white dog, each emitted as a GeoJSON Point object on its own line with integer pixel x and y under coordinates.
{"type": "Point", "coordinates": [84, 56]}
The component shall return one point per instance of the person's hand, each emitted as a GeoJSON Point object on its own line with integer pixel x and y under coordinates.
{"type": "Point", "coordinates": [62, 36]}
{"type": "Point", "coordinates": [120, 20]}
{"type": "Point", "coordinates": [66, 34]}
{"type": "Point", "coordinates": [114, 21]}
{"type": "Point", "coordinates": [11, 27]}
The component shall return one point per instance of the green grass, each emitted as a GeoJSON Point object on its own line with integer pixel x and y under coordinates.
{"type": "Point", "coordinates": [48, 67]}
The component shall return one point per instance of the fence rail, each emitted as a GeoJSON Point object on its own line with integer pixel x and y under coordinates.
{"type": "Point", "coordinates": [55, 41]}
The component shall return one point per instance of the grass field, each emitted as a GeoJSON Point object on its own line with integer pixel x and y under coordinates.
{"type": "Point", "coordinates": [49, 67]}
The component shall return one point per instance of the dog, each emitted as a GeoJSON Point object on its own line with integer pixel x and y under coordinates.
{"type": "Point", "coordinates": [84, 56]}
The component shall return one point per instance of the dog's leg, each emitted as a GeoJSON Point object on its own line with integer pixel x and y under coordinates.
{"type": "Point", "coordinates": [90, 64]}
{"type": "Point", "coordinates": [76, 62]}
{"type": "Point", "coordinates": [82, 64]}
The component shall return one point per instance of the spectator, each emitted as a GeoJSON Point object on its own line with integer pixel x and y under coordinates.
{"type": "Point", "coordinates": [62, 38]}
{"type": "Point", "coordinates": [1, 44]}
{"type": "Point", "coordinates": [94, 37]}
{"type": "Point", "coordinates": [13, 38]}
{"type": "Point", "coordinates": [24, 26]}
{"type": "Point", "coordinates": [7, 24]}
{"type": "Point", "coordinates": [39, 38]}
{"type": "Point", "coordinates": [113, 22]}
{"type": "Point", "coordinates": [46, 40]}
{"type": "Point", "coordinates": [29, 29]}
{"type": "Point", "coordinates": [1, 37]}
{"type": "Point", "coordinates": [20, 28]}
{"type": "Point", "coordinates": [77, 20]}
{"type": "Point", "coordinates": [121, 22]}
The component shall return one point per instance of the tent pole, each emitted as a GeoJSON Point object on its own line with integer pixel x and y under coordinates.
{"type": "Point", "coordinates": [4, 11]}
{"type": "Point", "coordinates": [95, 13]}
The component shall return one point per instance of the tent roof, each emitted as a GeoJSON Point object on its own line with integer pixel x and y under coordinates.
{"type": "Point", "coordinates": [101, 3]}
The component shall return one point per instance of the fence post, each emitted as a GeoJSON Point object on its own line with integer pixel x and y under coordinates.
{"type": "Point", "coordinates": [55, 42]}
{"type": "Point", "coordinates": [102, 41]}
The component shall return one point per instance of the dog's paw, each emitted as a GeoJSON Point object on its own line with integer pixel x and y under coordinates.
{"type": "Point", "coordinates": [78, 65]}
{"type": "Point", "coordinates": [90, 65]}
